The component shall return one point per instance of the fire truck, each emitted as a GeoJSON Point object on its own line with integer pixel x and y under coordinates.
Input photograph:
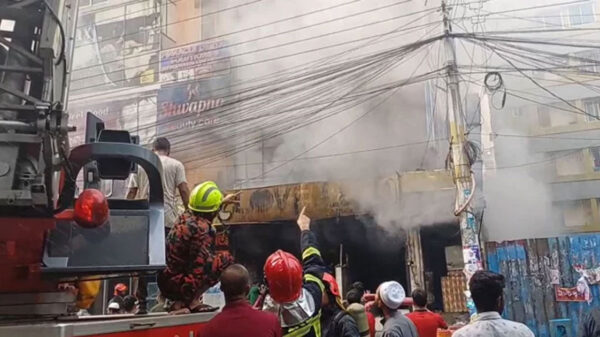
{"type": "Point", "coordinates": [50, 233]}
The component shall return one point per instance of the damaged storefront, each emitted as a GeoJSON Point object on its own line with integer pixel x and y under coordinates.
{"type": "Point", "coordinates": [357, 244]}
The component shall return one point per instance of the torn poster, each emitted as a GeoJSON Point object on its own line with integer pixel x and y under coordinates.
{"type": "Point", "coordinates": [579, 293]}
{"type": "Point", "coordinates": [592, 276]}
{"type": "Point", "coordinates": [554, 276]}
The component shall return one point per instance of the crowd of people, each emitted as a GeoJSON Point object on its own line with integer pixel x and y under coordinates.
{"type": "Point", "coordinates": [121, 302]}
{"type": "Point", "coordinates": [299, 296]}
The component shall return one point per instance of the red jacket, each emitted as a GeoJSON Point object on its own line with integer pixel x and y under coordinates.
{"type": "Point", "coordinates": [240, 319]}
{"type": "Point", "coordinates": [371, 320]}
{"type": "Point", "coordinates": [427, 322]}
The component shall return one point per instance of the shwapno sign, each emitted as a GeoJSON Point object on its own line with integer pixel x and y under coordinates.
{"type": "Point", "coordinates": [190, 105]}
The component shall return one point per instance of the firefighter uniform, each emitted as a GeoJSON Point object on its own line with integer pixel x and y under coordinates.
{"type": "Point", "coordinates": [299, 307]}
{"type": "Point", "coordinates": [194, 262]}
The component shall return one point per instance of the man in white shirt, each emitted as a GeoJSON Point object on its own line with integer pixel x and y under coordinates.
{"type": "Point", "coordinates": [486, 289]}
{"type": "Point", "coordinates": [173, 179]}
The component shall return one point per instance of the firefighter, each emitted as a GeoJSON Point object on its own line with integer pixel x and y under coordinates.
{"type": "Point", "coordinates": [297, 288]}
{"type": "Point", "coordinates": [194, 258]}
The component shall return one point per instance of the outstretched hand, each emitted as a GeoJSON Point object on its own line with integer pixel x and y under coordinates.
{"type": "Point", "coordinates": [231, 198]}
{"type": "Point", "coordinates": [303, 221]}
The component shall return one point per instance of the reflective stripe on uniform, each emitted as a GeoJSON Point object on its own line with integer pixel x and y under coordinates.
{"type": "Point", "coordinates": [310, 251]}
{"type": "Point", "coordinates": [207, 193]}
{"type": "Point", "coordinates": [313, 323]}
{"type": "Point", "coordinates": [313, 278]}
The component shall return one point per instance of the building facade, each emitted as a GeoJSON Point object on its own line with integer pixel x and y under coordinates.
{"type": "Point", "coordinates": [554, 124]}
{"type": "Point", "coordinates": [147, 66]}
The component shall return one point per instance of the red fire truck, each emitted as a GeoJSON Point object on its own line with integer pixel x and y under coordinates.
{"type": "Point", "coordinates": [50, 235]}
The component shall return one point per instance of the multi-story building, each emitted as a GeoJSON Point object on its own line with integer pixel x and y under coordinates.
{"type": "Point", "coordinates": [551, 129]}
{"type": "Point", "coordinates": [144, 66]}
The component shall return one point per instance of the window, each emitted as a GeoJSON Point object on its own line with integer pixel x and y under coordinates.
{"type": "Point", "coordinates": [168, 15]}
{"type": "Point", "coordinates": [580, 14]}
{"type": "Point", "coordinates": [595, 152]}
{"type": "Point", "coordinates": [117, 47]}
{"type": "Point", "coordinates": [517, 112]}
{"type": "Point", "coordinates": [209, 22]}
{"type": "Point", "coordinates": [544, 116]}
{"type": "Point", "coordinates": [577, 213]}
{"type": "Point", "coordinates": [592, 110]}
{"type": "Point", "coordinates": [87, 3]}
{"type": "Point", "coordinates": [589, 61]}
{"type": "Point", "coordinates": [552, 19]}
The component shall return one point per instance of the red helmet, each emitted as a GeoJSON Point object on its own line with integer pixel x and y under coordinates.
{"type": "Point", "coordinates": [120, 288]}
{"type": "Point", "coordinates": [334, 289]}
{"type": "Point", "coordinates": [283, 272]}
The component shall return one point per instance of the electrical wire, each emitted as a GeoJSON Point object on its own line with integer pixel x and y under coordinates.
{"type": "Point", "coordinates": [345, 127]}
{"type": "Point", "coordinates": [274, 34]}
{"type": "Point", "coordinates": [385, 88]}
{"type": "Point", "coordinates": [179, 21]}
{"type": "Point", "coordinates": [531, 79]}
{"type": "Point", "coordinates": [391, 147]}
{"type": "Point", "coordinates": [298, 53]}
{"type": "Point", "coordinates": [229, 57]}
{"type": "Point", "coordinates": [308, 65]}
{"type": "Point", "coordinates": [318, 75]}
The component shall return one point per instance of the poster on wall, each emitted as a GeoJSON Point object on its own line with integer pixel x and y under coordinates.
{"type": "Point", "coordinates": [569, 295]}
{"type": "Point", "coordinates": [195, 61]}
{"type": "Point", "coordinates": [190, 106]}
{"type": "Point", "coordinates": [561, 328]}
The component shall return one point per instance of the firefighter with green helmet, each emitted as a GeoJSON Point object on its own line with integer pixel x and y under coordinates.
{"type": "Point", "coordinates": [195, 255]}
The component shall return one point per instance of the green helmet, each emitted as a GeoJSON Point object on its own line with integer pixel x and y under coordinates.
{"type": "Point", "coordinates": [205, 198]}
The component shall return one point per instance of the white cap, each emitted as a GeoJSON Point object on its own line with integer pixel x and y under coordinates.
{"type": "Point", "coordinates": [114, 305]}
{"type": "Point", "coordinates": [392, 294]}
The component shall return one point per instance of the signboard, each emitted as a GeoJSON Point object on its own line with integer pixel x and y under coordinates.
{"type": "Point", "coordinates": [283, 203]}
{"type": "Point", "coordinates": [200, 60]}
{"type": "Point", "coordinates": [137, 115]}
{"type": "Point", "coordinates": [191, 105]}
{"type": "Point", "coordinates": [569, 295]}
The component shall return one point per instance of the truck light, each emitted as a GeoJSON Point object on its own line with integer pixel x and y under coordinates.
{"type": "Point", "coordinates": [91, 209]}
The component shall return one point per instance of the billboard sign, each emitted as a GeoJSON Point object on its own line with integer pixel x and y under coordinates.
{"type": "Point", "coordinates": [190, 105]}
{"type": "Point", "coordinates": [195, 61]}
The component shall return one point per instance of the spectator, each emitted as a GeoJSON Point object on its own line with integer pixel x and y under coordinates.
{"type": "Point", "coordinates": [590, 324]}
{"type": "Point", "coordinates": [336, 322]}
{"type": "Point", "coordinates": [173, 179]}
{"type": "Point", "coordinates": [253, 294]}
{"type": "Point", "coordinates": [388, 298]}
{"type": "Point", "coordinates": [357, 310]}
{"type": "Point", "coordinates": [120, 291]}
{"type": "Point", "coordinates": [359, 286]}
{"type": "Point", "coordinates": [114, 307]}
{"type": "Point", "coordinates": [238, 318]}
{"type": "Point", "coordinates": [426, 321]}
{"type": "Point", "coordinates": [129, 304]}
{"type": "Point", "coordinates": [486, 290]}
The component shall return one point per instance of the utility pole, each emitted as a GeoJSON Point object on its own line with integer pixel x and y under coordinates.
{"type": "Point", "coordinates": [463, 177]}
